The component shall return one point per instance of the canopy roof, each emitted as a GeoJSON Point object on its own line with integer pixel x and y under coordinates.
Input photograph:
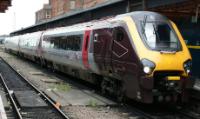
{"type": "Point", "coordinates": [4, 5]}
{"type": "Point", "coordinates": [184, 8]}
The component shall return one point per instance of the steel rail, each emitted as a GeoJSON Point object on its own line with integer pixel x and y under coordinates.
{"type": "Point", "coordinates": [11, 98]}
{"type": "Point", "coordinates": [179, 113]}
{"type": "Point", "coordinates": [144, 115]}
{"type": "Point", "coordinates": [141, 113]}
{"type": "Point", "coordinates": [47, 99]}
{"type": "Point", "coordinates": [186, 114]}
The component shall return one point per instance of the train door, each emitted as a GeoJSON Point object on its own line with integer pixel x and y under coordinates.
{"type": "Point", "coordinates": [124, 61]}
{"type": "Point", "coordinates": [85, 49]}
{"type": "Point", "coordinates": [38, 45]}
{"type": "Point", "coordinates": [102, 41]}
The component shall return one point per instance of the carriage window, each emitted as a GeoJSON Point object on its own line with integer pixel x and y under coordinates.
{"type": "Point", "coordinates": [56, 43]}
{"type": "Point", "coordinates": [119, 35]}
{"type": "Point", "coordinates": [73, 42]}
{"type": "Point", "coordinates": [63, 42]}
{"type": "Point", "coordinates": [66, 42]}
{"type": "Point", "coordinates": [46, 42]}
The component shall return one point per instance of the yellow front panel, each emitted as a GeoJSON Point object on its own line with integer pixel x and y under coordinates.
{"type": "Point", "coordinates": [163, 61]}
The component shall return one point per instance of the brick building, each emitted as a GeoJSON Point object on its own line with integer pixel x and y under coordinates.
{"type": "Point", "coordinates": [44, 13]}
{"type": "Point", "coordinates": [60, 7]}
{"type": "Point", "coordinates": [92, 3]}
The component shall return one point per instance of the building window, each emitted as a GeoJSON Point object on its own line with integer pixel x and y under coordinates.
{"type": "Point", "coordinates": [48, 14]}
{"type": "Point", "coordinates": [72, 4]}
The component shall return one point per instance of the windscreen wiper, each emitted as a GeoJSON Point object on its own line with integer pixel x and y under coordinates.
{"type": "Point", "coordinates": [144, 24]}
{"type": "Point", "coordinates": [155, 32]}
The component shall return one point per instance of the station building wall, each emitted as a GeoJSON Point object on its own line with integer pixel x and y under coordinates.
{"type": "Point", "coordinates": [191, 34]}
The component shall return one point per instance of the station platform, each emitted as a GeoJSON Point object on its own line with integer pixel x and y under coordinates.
{"type": "Point", "coordinates": [3, 105]}
{"type": "Point", "coordinates": [4, 99]}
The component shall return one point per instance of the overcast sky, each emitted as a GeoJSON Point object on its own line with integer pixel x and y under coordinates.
{"type": "Point", "coordinates": [20, 15]}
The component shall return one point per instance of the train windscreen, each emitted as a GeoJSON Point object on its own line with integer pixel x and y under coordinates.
{"type": "Point", "coordinates": [160, 36]}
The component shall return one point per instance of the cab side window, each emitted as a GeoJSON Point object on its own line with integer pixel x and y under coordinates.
{"type": "Point", "coordinates": [119, 34]}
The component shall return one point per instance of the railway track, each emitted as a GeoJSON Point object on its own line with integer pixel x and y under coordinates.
{"type": "Point", "coordinates": [193, 108]}
{"type": "Point", "coordinates": [163, 112]}
{"type": "Point", "coordinates": [26, 100]}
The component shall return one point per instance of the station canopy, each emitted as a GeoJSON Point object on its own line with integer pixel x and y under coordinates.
{"type": "Point", "coordinates": [185, 8]}
{"type": "Point", "coordinates": [4, 5]}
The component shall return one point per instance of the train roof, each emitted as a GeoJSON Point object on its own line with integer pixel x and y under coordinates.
{"type": "Point", "coordinates": [102, 23]}
{"type": "Point", "coordinates": [139, 15]}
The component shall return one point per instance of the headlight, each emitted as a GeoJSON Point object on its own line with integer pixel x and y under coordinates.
{"type": "Point", "coordinates": [147, 69]}
{"type": "Point", "coordinates": [148, 66]}
{"type": "Point", "coordinates": [188, 66]}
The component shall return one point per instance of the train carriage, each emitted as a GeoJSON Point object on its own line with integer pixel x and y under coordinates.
{"type": "Point", "coordinates": [11, 44]}
{"type": "Point", "coordinates": [139, 55]}
{"type": "Point", "coordinates": [28, 44]}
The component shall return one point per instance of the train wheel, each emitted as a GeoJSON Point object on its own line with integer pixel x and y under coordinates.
{"type": "Point", "coordinates": [43, 63]}
{"type": "Point", "coordinates": [121, 93]}
{"type": "Point", "coordinates": [103, 87]}
{"type": "Point", "coordinates": [52, 67]}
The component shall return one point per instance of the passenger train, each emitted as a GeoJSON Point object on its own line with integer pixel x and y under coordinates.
{"type": "Point", "coordinates": [139, 55]}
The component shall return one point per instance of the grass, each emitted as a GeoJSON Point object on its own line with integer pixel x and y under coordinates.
{"type": "Point", "coordinates": [61, 87]}
{"type": "Point", "coordinates": [92, 103]}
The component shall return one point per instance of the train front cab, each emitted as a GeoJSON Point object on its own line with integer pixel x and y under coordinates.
{"type": "Point", "coordinates": [165, 59]}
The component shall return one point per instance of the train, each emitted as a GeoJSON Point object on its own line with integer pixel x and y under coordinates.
{"type": "Point", "coordinates": [139, 55]}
